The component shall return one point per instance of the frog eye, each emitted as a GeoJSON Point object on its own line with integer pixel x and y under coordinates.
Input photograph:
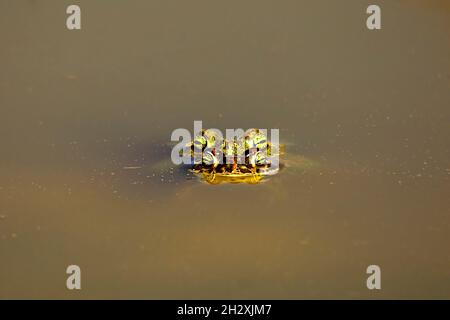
{"type": "Point", "coordinates": [256, 139]}
{"type": "Point", "coordinates": [200, 142]}
{"type": "Point", "coordinates": [260, 138]}
{"type": "Point", "coordinates": [213, 139]}
{"type": "Point", "coordinates": [261, 142]}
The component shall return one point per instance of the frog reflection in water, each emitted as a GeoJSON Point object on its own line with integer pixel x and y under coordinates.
{"type": "Point", "coordinates": [248, 159]}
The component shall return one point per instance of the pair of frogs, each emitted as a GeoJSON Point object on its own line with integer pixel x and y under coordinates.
{"type": "Point", "coordinates": [248, 158]}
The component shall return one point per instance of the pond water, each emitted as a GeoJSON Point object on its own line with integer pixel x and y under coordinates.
{"type": "Point", "coordinates": [85, 172]}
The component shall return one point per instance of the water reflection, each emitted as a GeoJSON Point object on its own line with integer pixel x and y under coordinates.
{"type": "Point", "coordinates": [86, 175]}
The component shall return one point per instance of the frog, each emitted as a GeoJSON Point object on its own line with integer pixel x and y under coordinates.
{"type": "Point", "coordinates": [246, 159]}
{"type": "Point", "coordinates": [243, 161]}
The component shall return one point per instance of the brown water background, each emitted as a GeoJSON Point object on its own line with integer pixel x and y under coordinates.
{"type": "Point", "coordinates": [79, 107]}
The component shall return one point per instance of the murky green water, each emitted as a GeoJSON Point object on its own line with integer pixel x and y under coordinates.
{"type": "Point", "coordinates": [86, 117]}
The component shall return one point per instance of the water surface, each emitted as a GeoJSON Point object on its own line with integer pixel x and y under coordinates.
{"type": "Point", "coordinates": [86, 117]}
